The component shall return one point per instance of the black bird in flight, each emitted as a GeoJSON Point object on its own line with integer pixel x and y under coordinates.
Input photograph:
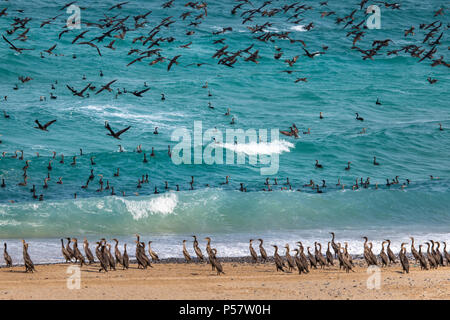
{"type": "Point", "coordinates": [118, 6]}
{"type": "Point", "coordinates": [312, 55]}
{"type": "Point", "coordinates": [106, 87]}
{"type": "Point", "coordinates": [76, 93]}
{"type": "Point", "coordinates": [13, 47]}
{"type": "Point", "coordinates": [92, 45]}
{"type": "Point", "coordinates": [174, 60]}
{"type": "Point", "coordinates": [50, 50]}
{"type": "Point", "coordinates": [67, 5]}
{"type": "Point", "coordinates": [115, 134]}
{"type": "Point", "coordinates": [45, 126]}
{"type": "Point", "coordinates": [139, 94]}
{"type": "Point", "coordinates": [81, 35]}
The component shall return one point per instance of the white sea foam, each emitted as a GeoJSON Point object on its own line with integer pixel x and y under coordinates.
{"type": "Point", "coordinates": [271, 29]}
{"type": "Point", "coordinates": [264, 148]}
{"type": "Point", "coordinates": [164, 204]}
{"type": "Point", "coordinates": [98, 107]}
{"type": "Point", "coordinates": [10, 222]}
{"type": "Point", "coordinates": [300, 28]}
{"type": "Point", "coordinates": [109, 111]}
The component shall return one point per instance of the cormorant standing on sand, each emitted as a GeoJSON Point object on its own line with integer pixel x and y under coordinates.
{"type": "Point", "coordinates": [88, 252]}
{"type": "Point", "coordinates": [262, 251]}
{"type": "Point", "coordinates": [197, 250]}
{"type": "Point", "coordinates": [186, 254]}
{"type": "Point", "coordinates": [253, 252]}
{"type": "Point", "coordinates": [7, 257]}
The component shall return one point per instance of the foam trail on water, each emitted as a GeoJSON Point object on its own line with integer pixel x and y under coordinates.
{"type": "Point", "coordinates": [264, 148]}
{"type": "Point", "coordinates": [300, 28]}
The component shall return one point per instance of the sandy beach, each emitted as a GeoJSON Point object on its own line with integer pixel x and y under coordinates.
{"type": "Point", "coordinates": [241, 281]}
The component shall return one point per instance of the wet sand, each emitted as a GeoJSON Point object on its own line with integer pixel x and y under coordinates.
{"type": "Point", "coordinates": [171, 280]}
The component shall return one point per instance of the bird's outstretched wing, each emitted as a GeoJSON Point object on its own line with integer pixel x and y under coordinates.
{"type": "Point", "coordinates": [137, 59]}
{"type": "Point", "coordinates": [82, 91]}
{"type": "Point", "coordinates": [62, 32]}
{"type": "Point", "coordinates": [49, 123]}
{"type": "Point", "coordinates": [71, 89]}
{"type": "Point", "coordinates": [122, 131]}
{"type": "Point", "coordinates": [103, 88]}
{"type": "Point", "coordinates": [106, 87]}
{"type": "Point", "coordinates": [98, 50]}
{"type": "Point", "coordinates": [286, 133]}
{"type": "Point", "coordinates": [110, 83]}
{"type": "Point", "coordinates": [51, 49]}
{"type": "Point", "coordinates": [93, 46]}
{"type": "Point", "coordinates": [174, 60]}
{"type": "Point", "coordinates": [12, 46]}
{"type": "Point", "coordinates": [143, 91]}
{"type": "Point", "coordinates": [67, 5]}
{"type": "Point", "coordinates": [118, 5]}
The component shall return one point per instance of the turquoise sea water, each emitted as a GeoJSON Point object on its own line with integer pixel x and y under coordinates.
{"type": "Point", "coordinates": [402, 132]}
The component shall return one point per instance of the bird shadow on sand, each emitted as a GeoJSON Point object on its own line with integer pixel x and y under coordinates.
{"type": "Point", "coordinates": [95, 270]}
{"type": "Point", "coordinates": [399, 272]}
{"type": "Point", "coordinates": [16, 271]}
{"type": "Point", "coordinates": [91, 270]}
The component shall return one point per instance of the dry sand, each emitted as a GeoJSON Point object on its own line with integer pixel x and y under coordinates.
{"type": "Point", "coordinates": [241, 281]}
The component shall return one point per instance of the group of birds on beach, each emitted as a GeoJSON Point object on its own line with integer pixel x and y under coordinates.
{"type": "Point", "coordinates": [302, 261]}
{"type": "Point", "coordinates": [110, 261]}
{"type": "Point", "coordinates": [115, 28]}
{"type": "Point", "coordinates": [28, 263]}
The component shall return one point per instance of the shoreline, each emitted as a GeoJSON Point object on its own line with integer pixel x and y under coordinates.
{"type": "Point", "coordinates": [242, 280]}
{"type": "Point", "coordinates": [357, 259]}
